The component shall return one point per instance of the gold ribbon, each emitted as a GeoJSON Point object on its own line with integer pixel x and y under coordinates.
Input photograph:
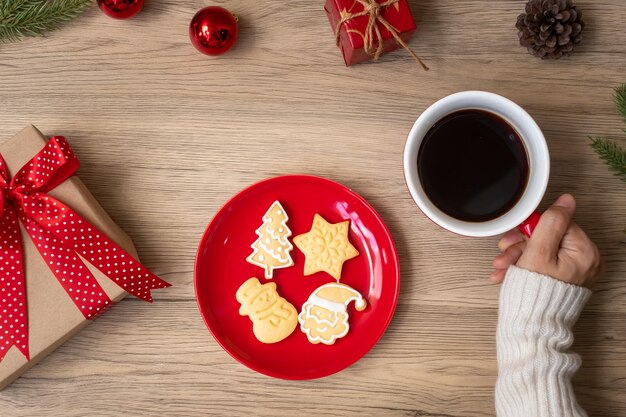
{"type": "Point", "coordinates": [372, 31]}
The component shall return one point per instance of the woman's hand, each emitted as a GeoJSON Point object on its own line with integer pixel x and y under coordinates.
{"type": "Point", "coordinates": [558, 248]}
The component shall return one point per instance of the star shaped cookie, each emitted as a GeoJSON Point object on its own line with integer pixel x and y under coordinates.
{"type": "Point", "coordinates": [326, 247]}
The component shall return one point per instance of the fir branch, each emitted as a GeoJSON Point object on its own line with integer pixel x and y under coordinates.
{"type": "Point", "coordinates": [612, 154]}
{"type": "Point", "coordinates": [19, 18]}
{"type": "Point", "coordinates": [620, 101]}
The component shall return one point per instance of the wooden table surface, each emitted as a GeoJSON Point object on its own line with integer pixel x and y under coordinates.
{"type": "Point", "coordinates": [166, 135]}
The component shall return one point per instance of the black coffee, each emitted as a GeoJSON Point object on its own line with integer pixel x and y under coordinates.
{"type": "Point", "coordinates": [473, 165]}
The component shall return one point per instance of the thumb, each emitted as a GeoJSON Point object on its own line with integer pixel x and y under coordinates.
{"type": "Point", "coordinates": [546, 239]}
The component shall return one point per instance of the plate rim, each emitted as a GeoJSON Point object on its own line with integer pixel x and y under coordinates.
{"type": "Point", "coordinates": [263, 370]}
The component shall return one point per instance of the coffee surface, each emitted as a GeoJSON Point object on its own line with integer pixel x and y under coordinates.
{"type": "Point", "coordinates": [473, 165]}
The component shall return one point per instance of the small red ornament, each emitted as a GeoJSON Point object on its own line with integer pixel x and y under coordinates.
{"type": "Point", "coordinates": [120, 9]}
{"type": "Point", "coordinates": [213, 30]}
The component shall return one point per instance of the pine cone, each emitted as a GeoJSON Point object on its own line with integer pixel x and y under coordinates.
{"type": "Point", "coordinates": [550, 28]}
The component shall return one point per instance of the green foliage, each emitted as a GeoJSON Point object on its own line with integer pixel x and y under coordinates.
{"type": "Point", "coordinates": [19, 18]}
{"type": "Point", "coordinates": [620, 101]}
{"type": "Point", "coordinates": [613, 155]}
{"type": "Point", "coordinates": [611, 152]}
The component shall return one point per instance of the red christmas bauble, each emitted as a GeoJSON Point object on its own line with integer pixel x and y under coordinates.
{"type": "Point", "coordinates": [120, 9]}
{"type": "Point", "coordinates": [213, 30]}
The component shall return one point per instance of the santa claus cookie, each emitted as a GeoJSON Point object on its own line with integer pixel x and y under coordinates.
{"type": "Point", "coordinates": [324, 317]}
{"type": "Point", "coordinates": [326, 247]}
{"type": "Point", "coordinates": [273, 317]}
{"type": "Point", "coordinates": [271, 250]}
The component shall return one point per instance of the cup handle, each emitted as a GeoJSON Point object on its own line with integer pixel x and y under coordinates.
{"type": "Point", "coordinates": [528, 226]}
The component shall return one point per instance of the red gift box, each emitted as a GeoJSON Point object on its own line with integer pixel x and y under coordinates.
{"type": "Point", "coordinates": [364, 28]}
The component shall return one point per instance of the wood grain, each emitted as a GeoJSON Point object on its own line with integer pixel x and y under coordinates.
{"type": "Point", "coordinates": [166, 136]}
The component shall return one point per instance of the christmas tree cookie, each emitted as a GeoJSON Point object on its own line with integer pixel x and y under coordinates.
{"type": "Point", "coordinates": [271, 250]}
{"type": "Point", "coordinates": [326, 247]}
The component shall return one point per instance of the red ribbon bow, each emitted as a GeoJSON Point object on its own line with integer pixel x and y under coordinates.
{"type": "Point", "coordinates": [60, 235]}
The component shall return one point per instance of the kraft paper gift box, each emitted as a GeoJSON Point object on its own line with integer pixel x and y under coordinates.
{"type": "Point", "coordinates": [52, 316]}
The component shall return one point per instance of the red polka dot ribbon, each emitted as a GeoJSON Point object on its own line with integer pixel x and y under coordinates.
{"type": "Point", "coordinates": [62, 237]}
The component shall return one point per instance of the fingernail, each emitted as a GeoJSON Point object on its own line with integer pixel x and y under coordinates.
{"type": "Point", "coordinates": [504, 243]}
{"type": "Point", "coordinates": [509, 240]}
{"type": "Point", "coordinates": [566, 200]}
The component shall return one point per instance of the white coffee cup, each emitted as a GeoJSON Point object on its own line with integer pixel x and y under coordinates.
{"type": "Point", "coordinates": [524, 210]}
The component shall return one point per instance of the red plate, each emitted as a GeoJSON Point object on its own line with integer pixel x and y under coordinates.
{"type": "Point", "coordinates": [221, 268]}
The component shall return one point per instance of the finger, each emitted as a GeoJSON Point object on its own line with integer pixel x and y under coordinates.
{"type": "Point", "coordinates": [552, 226]}
{"type": "Point", "coordinates": [510, 238]}
{"type": "Point", "coordinates": [498, 276]}
{"type": "Point", "coordinates": [575, 239]}
{"type": "Point", "coordinates": [579, 246]}
{"type": "Point", "coordinates": [510, 256]}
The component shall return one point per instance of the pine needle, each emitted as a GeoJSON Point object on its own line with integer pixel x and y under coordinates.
{"type": "Point", "coordinates": [20, 18]}
{"type": "Point", "coordinates": [620, 100]}
{"type": "Point", "coordinates": [612, 154]}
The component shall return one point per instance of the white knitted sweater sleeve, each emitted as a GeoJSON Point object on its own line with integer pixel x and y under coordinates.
{"type": "Point", "coordinates": [535, 366]}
